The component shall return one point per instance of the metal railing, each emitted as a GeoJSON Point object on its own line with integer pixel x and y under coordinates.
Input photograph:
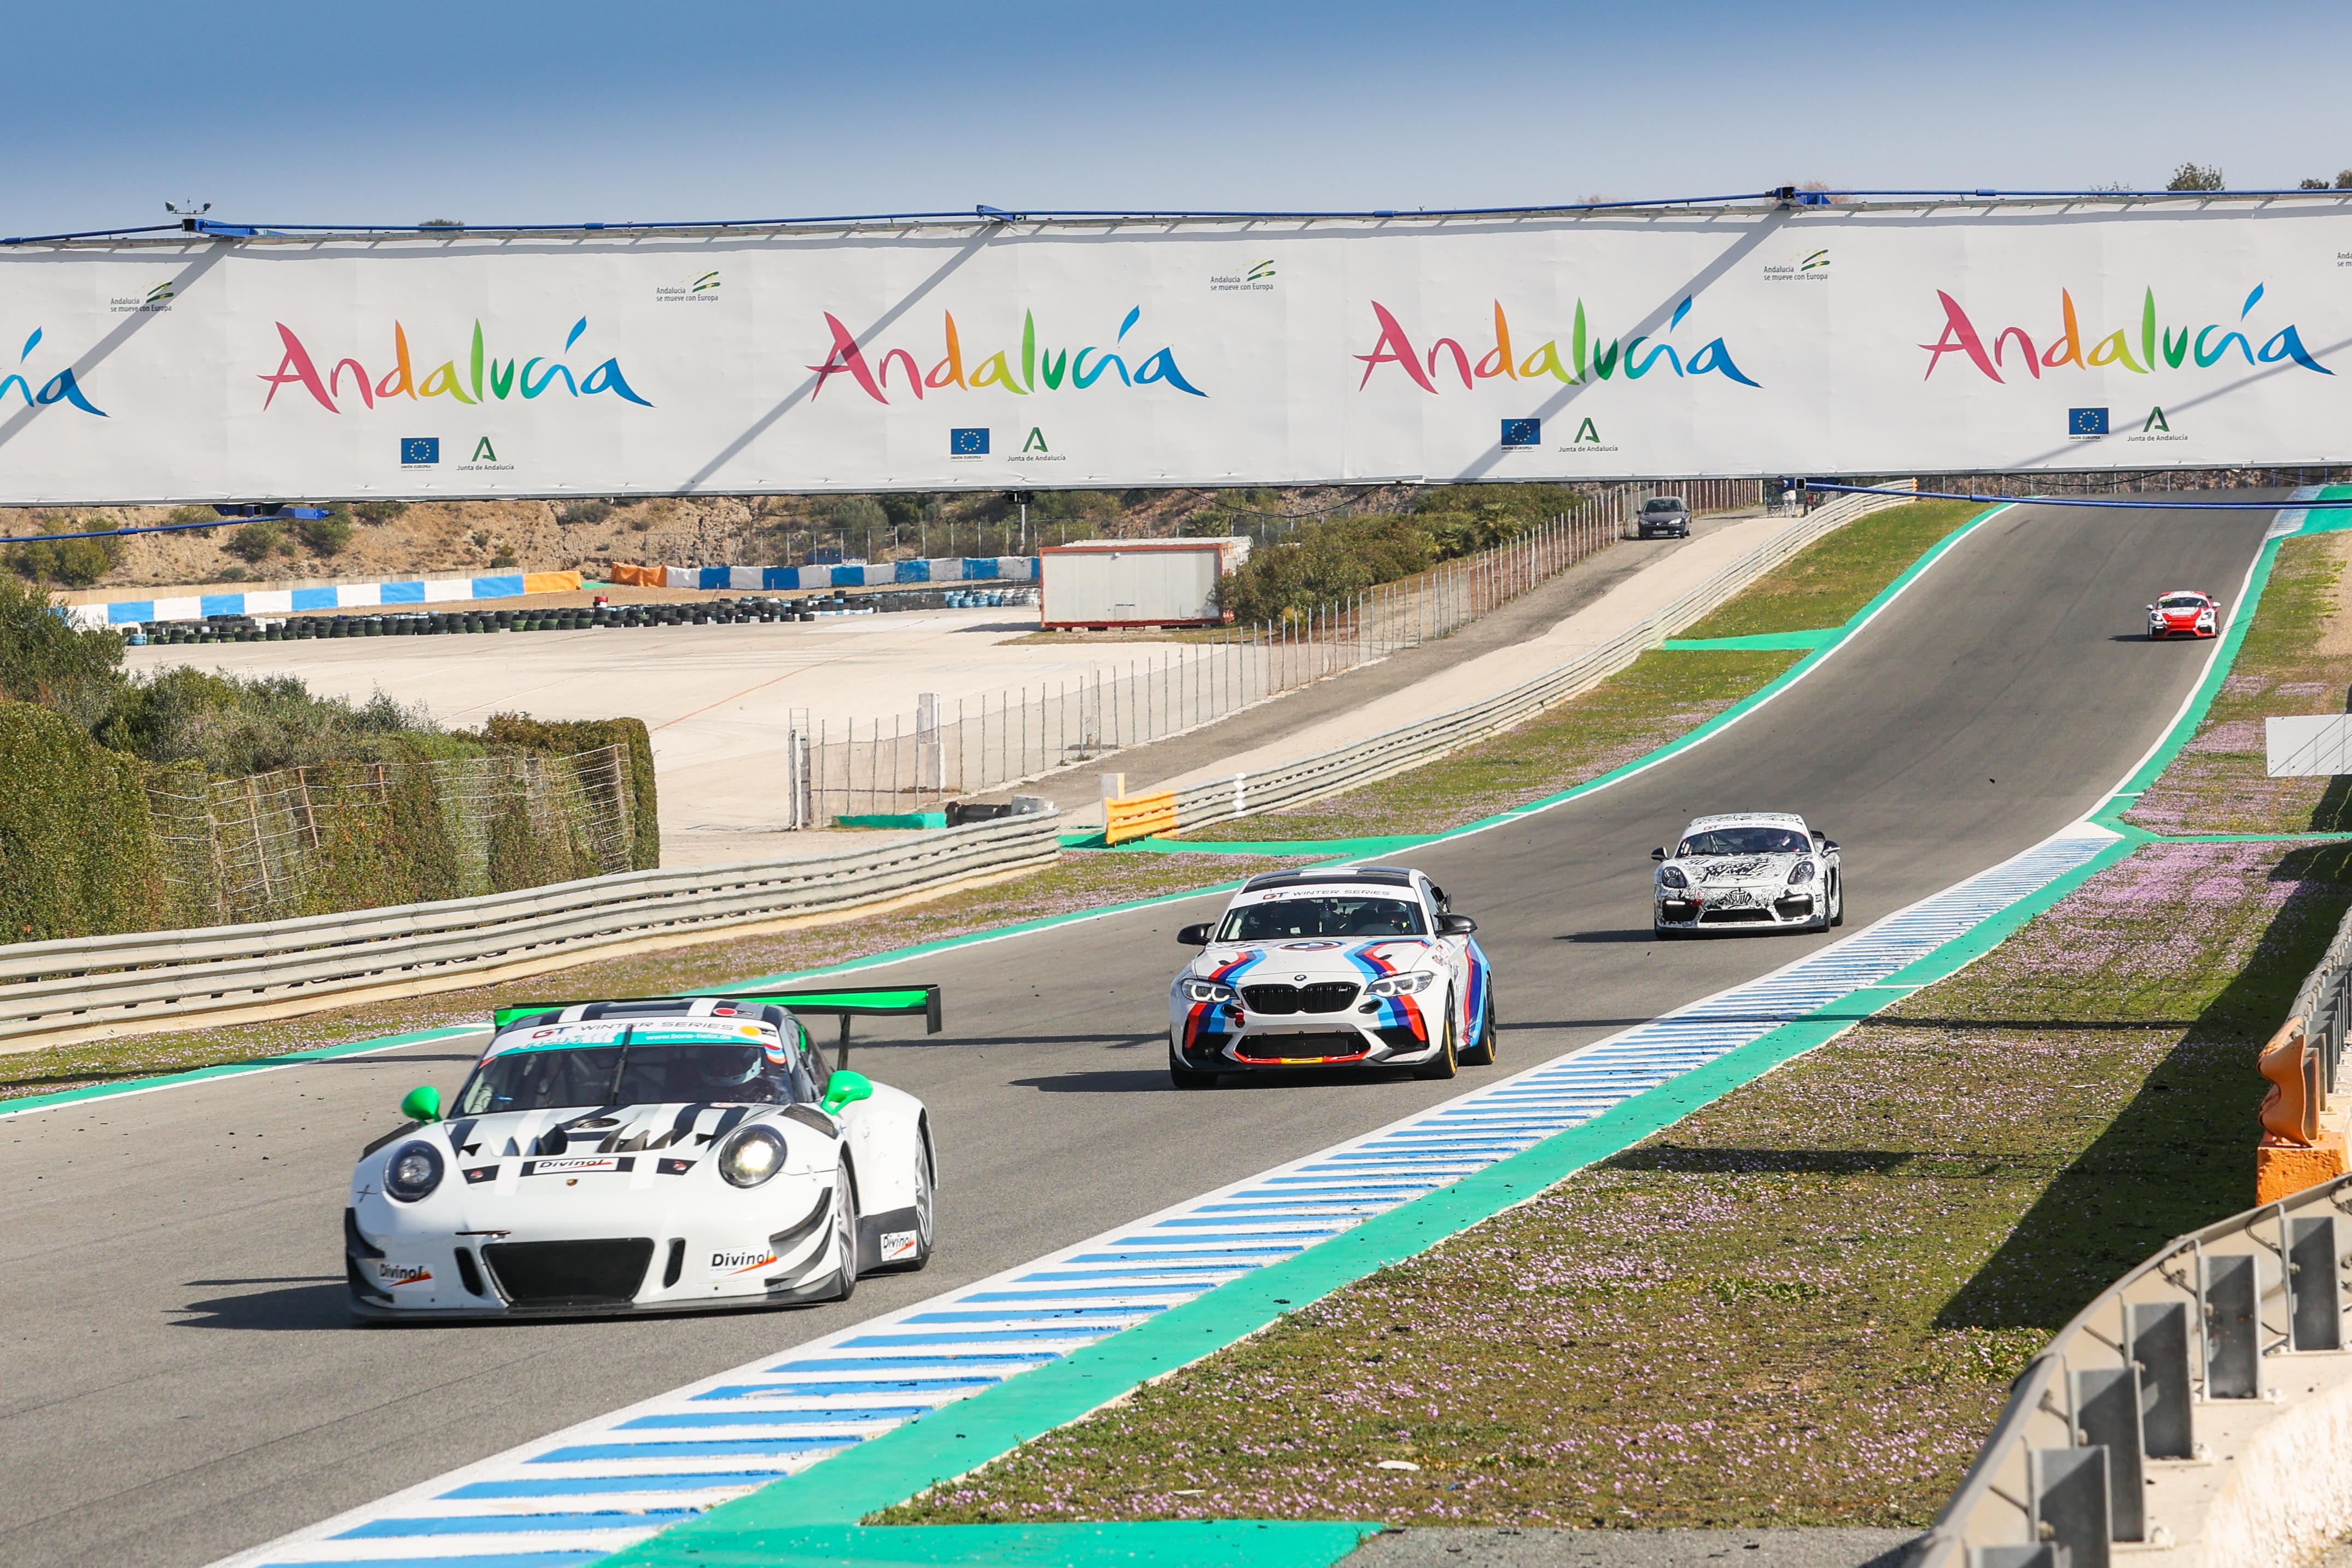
{"type": "Point", "coordinates": [93, 987]}
{"type": "Point", "coordinates": [1352, 767]}
{"type": "Point", "coordinates": [971, 745]}
{"type": "Point", "coordinates": [2202, 1324]}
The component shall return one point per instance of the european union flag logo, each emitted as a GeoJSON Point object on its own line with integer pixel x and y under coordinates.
{"type": "Point", "coordinates": [1523, 433]}
{"type": "Point", "coordinates": [418, 450]}
{"type": "Point", "coordinates": [971, 443]}
{"type": "Point", "coordinates": [2087, 421]}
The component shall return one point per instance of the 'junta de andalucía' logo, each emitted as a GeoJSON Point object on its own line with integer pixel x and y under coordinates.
{"type": "Point", "coordinates": [1040, 365]}
{"type": "Point", "coordinates": [1589, 356]}
{"type": "Point", "coordinates": [59, 387]}
{"type": "Point", "coordinates": [486, 378]}
{"type": "Point", "coordinates": [2158, 347]}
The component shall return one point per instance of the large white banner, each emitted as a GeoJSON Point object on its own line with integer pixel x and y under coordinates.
{"type": "Point", "coordinates": [1811, 340]}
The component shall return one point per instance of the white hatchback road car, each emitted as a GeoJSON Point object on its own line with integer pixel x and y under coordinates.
{"type": "Point", "coordinates": [1748, 871]}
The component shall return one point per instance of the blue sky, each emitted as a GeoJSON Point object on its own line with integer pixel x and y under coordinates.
{"type": "Point", "coordinates": [529, 111]}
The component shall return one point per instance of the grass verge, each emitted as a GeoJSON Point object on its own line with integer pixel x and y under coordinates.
{"type": "Point", "coordinates": [1656, 699]}
{"type": "Point", "coordinates": [1800, 1306]}
{"type": "Point", "coordinates": [1077, 883]}
{"type": "Point", "coordinates": [1660, 696]}
{"type": "Point", "coordinates": [2297, 659]}
{"type": "Point", "coordinates": [1826, 583]}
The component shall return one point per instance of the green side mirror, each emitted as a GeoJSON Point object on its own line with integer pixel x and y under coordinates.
{"type": "Point", "coordinates": [846, 1087]}
{"type": "Point", "coordinates": [423, 1104]}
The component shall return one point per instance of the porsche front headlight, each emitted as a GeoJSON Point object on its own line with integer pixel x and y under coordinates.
{"type": "Point", "coordinates": [1801, 873]}
{"type": "Point", "coordinates": [1402, 984]}
{"type": "Point", "coordinates": [412, 1172]}
{"type": "Point", "coordinates": [1207, 991]}
{"type": "Point", "coordinates": [1672, 876]}
{"type": "Point", "coordinates": [751, 1156]}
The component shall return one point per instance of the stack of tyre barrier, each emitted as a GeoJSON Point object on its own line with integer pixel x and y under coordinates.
{"type": "Point", "coordinates": [428, 623]}
{"type": "Point", "coordinates": [724, 611]}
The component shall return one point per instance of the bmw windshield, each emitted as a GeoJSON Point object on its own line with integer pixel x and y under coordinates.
{"type": "Point", "coordinates": [633, 1071]}
{"type": "Point", "coordinates": [1744, 841]}
{"type": "Point", "coordinates": [1342, 916]}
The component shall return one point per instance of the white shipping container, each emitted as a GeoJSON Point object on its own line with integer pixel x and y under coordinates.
{"type": "Point", "coordinates": [1166, 582]}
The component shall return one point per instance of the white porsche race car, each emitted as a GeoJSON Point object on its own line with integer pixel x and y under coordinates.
{"type": "Point", "coordinates": [1757, 871]}
{"type": "Point", "coordinates": [663, 1155]}
{"type": "Point", "coordinates": [1364, 966]}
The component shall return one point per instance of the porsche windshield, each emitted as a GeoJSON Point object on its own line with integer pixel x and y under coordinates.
{"type": "Point", "coordinates": [1344, 915]}
{"type": "Point", "coordinates": [1744, 841]}
{"type": "Point", "coordinates": [631, 1072]}
{"type": "Point", "coordinates": [2181, 602]}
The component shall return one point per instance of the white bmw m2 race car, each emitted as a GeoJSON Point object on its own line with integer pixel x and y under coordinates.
{"type": "Point", "coordinates": [1750, 871]}
{"type": "Point", "coordinates": [655, 1156]}
{"type": "Point", "coordinates": [1363, 966]}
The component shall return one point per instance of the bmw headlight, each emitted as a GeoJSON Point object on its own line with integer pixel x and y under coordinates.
{"type": "Point", "coordinates": [751, 1156]}
{"type": "Point", "coordinates": [1801, 873]}
{"type": "Point", "coordinates": [1673, 877]}
{"type": "Point", "coordinates": [1206, 991]}
{"type": "Point", "coordinates": [1402, 985]}
{"type": "Point", "coordinates": [412, 1172]}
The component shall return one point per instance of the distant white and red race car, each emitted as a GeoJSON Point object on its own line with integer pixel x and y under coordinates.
{"type": "Point", "coordinates": [2184, 612]}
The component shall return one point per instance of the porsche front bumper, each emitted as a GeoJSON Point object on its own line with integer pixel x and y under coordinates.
{"type": "Point", "coordinates": [1734, 908]}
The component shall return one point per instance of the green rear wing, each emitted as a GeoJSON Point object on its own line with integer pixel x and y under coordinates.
{"type": "Point", "coordinates": [844, 1002]}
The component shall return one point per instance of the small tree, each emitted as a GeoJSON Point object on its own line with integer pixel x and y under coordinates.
{"type": "Point", "coordinates": [260, 540]}
{"type": "Point", "coordinates": [2313, 185]}
{"type": "Point", "coordinates": [327, 536]}
{"type": "Point", "coordinates": [572, 512]}
{"type": "Point", "coordinates": [2344, 179]}
{"type": "Point", "coordinates": [379, 511]}
{"type": "Point", "coordinates": [2196, 177]}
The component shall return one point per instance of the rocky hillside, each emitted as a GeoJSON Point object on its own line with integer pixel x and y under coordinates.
{"type": "Point", "coordinates": [462, 537]}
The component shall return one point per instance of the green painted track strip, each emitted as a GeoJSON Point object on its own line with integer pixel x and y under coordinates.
{"type": "Point", "coordinates": [229, 1069]}
{"type": "Point", "coordinates": [1763, 641]}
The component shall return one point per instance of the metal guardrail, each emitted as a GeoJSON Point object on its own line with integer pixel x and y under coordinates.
{"type": "Point", "coordinates": [2204, 1322]}
{"type": "Point", "coordinates": [91, 988]}
{"type": "Point", "coordinates": [1366, 761]}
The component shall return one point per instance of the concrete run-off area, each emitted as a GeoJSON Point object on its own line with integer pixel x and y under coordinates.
{"type": "Point", "coordinates": [719, 699]}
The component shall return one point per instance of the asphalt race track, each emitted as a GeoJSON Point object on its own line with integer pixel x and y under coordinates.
{"type": "Point", "coordinates": [177, 1380]}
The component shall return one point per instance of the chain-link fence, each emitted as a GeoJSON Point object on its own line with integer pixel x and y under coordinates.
{"type": "Point", "coordinates": [300, 840]}
{"type": "Point", "coordinates": [969, 746]}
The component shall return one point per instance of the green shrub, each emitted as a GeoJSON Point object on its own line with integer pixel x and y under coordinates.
{"type": "Point", "coordinates": [45, 659]}
{"type": "Point", "coordinates": [182, 516]}
{"type": "Point", "coordinates": [326, 536]}
{"type": "Point", "coordinates": [260, 540]}
{"type": "Point", "coordinates": [373, 512]}
{"type": "Point", "coordinates": [78, 854]}
{"type": "Point", "coordinates": [569, 737]}
{"type": "Point", "coordinates": [71, 563]}
{"type": "Point", "coordinates": [235, 725]}
{"type": "Point", "coordinates": [1326, 563]}
{"type": "Point", "coordinates": [572, 512]}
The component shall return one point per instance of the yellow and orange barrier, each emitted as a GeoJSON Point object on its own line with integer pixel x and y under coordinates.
{"type": "Point", "coordinates": [1140, 817]}
{"type": "Point", "coordinates": [550, 581]}
{"type": "Point", "coordinates": [2303, 1144]}
{"type": "Point", "coordinates": [638, 576]}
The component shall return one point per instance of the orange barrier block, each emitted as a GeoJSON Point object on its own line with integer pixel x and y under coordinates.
{"type": "Point", "coordinates": [2290, 1109]}
{"type": "Point", "coordinates": [2283, 1169]}
{"type": "Point", "coordinates": [549, 582]}
{"type": "Point", "coordinates": [1140, 818]}
{"type": "Point", "coordinates": [638, 576]}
